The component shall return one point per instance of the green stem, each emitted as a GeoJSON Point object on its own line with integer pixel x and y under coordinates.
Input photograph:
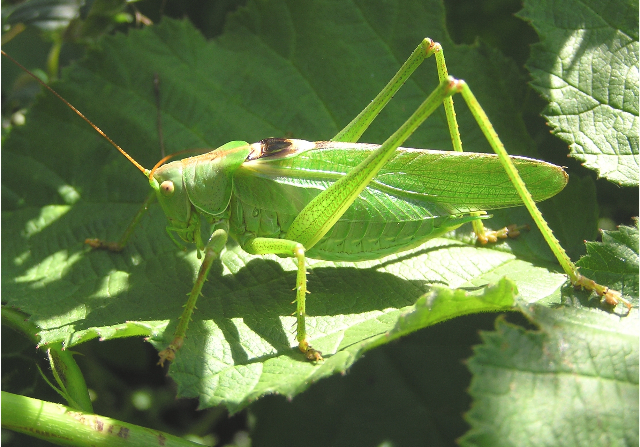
{"type": "Point", "coordinates": [19, 322]}
{"type": "Point", "coordinates": [63, 425]}
{"type": "Point", "coordinates": [53, 59]}
{"type": "Point", "coordinates": [69, 377]}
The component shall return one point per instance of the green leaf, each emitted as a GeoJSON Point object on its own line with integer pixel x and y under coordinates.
{"type": "Point", "coordinates": [614, 261]}
{"type": "Point", "coordinates": [586, 66]}
{"type": "Point", "coordinates": [306, 78]}
{"type": "Point", "coordinates": [441, 304]}
{"type": "Point", "coordinates": [573, 382]}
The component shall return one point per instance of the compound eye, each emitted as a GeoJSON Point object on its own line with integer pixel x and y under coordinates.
{"type": "Point", "coordinates": [167, 187]}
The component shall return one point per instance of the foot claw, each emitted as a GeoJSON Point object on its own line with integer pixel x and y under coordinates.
{"type": "Point", "coordinates": [613, 298]}
{"type": "Point", "coordinates": [169, 354]}
{"type": "Point", "coordinates": [310, 353]}
{"type": "Point", "coordinates": [610, 296]}
{"type": "Point", "coordinates": [511, 231]}
{"type": "Point", "coordinates": [313, 355]}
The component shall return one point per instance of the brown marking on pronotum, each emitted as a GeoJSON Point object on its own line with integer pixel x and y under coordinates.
{"type": "Point", "coordinates": [277, 148]}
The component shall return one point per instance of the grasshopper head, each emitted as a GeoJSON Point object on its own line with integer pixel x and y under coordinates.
{"type": "Point", "coordinates": [170, 191]}
{"type": "Point", "coordinates": [197, 185]}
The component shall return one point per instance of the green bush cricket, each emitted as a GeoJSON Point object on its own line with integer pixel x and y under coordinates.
{"type": "Point", "coordinates": [298, 221]}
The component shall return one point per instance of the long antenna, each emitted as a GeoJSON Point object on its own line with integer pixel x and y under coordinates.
{"type": "Point", "coordinates": [97, 129]}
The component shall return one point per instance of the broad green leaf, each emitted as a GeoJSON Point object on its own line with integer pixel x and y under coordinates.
{"type": "Point", "coordinates": [586, 66]}
{"type": "Point", "coordinates": [305, 78]}
{"type": "Point", "coordinates": [572, 382]}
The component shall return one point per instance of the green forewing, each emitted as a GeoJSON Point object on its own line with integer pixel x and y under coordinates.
{"type": "Point", "coordinates": [459, 182]}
